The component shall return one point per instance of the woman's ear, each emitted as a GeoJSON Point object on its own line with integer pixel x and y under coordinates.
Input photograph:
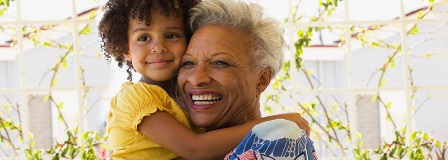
{"type": "Point", "coordinates": [264, 80]}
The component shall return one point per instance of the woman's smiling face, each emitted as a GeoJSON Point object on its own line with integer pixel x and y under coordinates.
{"type": "Point", "coordinates": [217, 79]}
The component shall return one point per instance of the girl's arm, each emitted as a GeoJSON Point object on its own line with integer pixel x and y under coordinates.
{"type": "Point", "coordinates": [165, 130]}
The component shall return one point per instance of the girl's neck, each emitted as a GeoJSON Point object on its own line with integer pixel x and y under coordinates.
{"type": "Point", "coordinates": [170, 86]}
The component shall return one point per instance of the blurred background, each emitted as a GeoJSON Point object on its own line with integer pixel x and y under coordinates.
{"type": "Point", "coordinates": [371, 77]}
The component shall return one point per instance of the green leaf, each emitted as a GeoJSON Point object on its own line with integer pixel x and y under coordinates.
{"type": "Point", "coordinates": [64, 64]}
{"type": "Point", "coordinates": [414, 30]}
{"type": "Point", "coordinates": [29, 154]}
{"type": "Point", "coordinates": [374, 98]}
{"type": "Point", "coordinates": [397, 135]}
{"type": "Point", "coordinates": [54, 82]}
{"type": "Point", "coordinates": [99, 55]}
{"type": "Point", "coordinates": [391, 154]}
{"type": "Point", "coordinates": [400, 150]}
{"type": "Point", "coordinates": [55, 157]}
{"type": "Point", "coordinates": [412, 136]}
{"type": "Point", "coordinates": [276, 85]}
{"type": "Point", "coordinates": [60, 118]}
{"type": "Point", "coordinates": [32, 143]}
{"type": "Point", "coordinates": [61, 105]}
{"type": "Point", "coordinates": [425, 136]}
{"type": "Point", "coordinates": [388, 118]}
{"type": "Point", "coordinates": [86, 30]}
{"type": "Point", "coordinates": [360, 143]}
{"type": "Point", "coordinates": [64, 152]}
{"type": "Point", "coordinates": [438, 144]}
{"type": "Point", "coordinates": [286, 66]}
{"type": "Point", "coordinates": [313, 105]}
{"type": "Point", "coordinates": [47, 44]}
{"type": "Point", "coordinates": [427, 54]}
{"type": "Point", "coordinates": [46, 98]}
{"type": "Point", "coordinates": [383, 82]}
{"type": "Point", "coordinates": [420, 15]}
{"type": "Point", "coordinates": [30, 135]}
{"type": "Point", "coordinates": [358, 135]}
{"type": "Point", "coordinates": [388, 106]}
{"type": "Point", "coordinates": [6, 124]}
{"type": "Point", "coordinates": [85, 135]}
{"type": "Point", "coordinates": [356, 152]}
{"type": "Point", "coordinates": [72, 151]}
{"type": "Point", "coordinates": [91, 14]}
{"type": "Point", "coordinates": [51, 150]}
{"type": "Point", "coordinates": [84, 155]}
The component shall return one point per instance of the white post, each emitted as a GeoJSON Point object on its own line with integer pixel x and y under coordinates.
{"type": "Point", "coordinates": [79, 86]}
{"type": "Point", "coordinates": [407, 75]}
{"type": "Point", "coordinates": [352, 112]}
{"type": "Point", "coordinates": [24, 110]}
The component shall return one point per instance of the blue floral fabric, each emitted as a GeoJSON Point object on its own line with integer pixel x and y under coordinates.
{"type": "Point", "coordinates": [276, 139]}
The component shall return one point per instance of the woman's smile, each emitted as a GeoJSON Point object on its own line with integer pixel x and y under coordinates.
{"type": "Point", "coordinates": [204, 101]}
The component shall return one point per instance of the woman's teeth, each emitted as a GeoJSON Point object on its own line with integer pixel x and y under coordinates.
{"type": "Point", "coordinates": [206, 98]}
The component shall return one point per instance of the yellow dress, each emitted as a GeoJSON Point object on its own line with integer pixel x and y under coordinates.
{"type": "Point", "coordinates": [133, 102]}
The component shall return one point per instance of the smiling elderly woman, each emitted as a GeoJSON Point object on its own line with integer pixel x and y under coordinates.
{"type": "Point", "coordinates": [233, 54]}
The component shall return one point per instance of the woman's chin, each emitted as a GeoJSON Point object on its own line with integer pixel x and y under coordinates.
{"type": "Point", "coordinates": [202, 122]}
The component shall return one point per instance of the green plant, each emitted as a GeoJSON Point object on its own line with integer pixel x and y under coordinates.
{"type": "Point", "coordinates": [76, 145]}
{"type": "Point", "coordinates": [333, 130]}
{"type": "Point", "coordinates": [417, 146]}
{"type": "Point", "coordinates": [4, 5]}
{"type": "Point", "coordinates": [90, 146]}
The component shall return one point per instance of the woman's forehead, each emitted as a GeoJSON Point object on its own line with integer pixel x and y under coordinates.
{"type": "Point", "coordinates": [213, 39]}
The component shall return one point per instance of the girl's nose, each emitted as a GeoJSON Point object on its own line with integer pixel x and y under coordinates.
{"type": "Point", "coordinates": [158, 47]}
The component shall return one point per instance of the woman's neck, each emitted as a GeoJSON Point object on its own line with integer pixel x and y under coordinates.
{"type": "Point", "coordinates": [170, 86]}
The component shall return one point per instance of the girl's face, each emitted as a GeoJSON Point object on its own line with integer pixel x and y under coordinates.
{"type": "Point", "coordinates": [156, 50]}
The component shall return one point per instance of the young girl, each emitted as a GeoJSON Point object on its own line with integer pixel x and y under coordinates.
{"type": "Point", "coordinates": [144, 121]}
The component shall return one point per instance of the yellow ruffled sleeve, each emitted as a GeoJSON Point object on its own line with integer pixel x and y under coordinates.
{"type": "Point", "coordinates": [137, 100]}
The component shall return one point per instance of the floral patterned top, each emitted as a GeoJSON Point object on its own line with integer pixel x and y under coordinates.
{"type": "Point", "coordinates": [275, 139]}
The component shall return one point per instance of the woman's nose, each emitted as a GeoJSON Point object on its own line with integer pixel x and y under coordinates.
{"type": "Point", "coordinates": [200, 76]}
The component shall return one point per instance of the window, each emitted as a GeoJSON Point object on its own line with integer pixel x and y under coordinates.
{"type": "Point", "coordinates": [352, 71]}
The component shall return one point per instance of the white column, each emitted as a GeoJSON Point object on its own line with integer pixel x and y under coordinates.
{"type": "Point", "coordinates": [407, 75]}
{"type": "Point", "coordinates": [79, 86]}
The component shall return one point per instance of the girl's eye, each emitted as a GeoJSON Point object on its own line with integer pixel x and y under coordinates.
{"type": "Point", "coordinates": [171, 35]}
{"type": "Point", "coordinates": [143, 38]}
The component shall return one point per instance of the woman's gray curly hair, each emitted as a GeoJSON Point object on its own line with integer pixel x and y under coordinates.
{"type": "Point", "coordinates": [267, 34]}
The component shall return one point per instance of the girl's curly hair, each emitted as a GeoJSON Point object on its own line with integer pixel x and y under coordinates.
{"type": "Point", "coordinates": [113, 27]}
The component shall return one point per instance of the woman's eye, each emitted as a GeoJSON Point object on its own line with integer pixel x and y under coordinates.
{"type": "Point", "coordinates": [187, 64]}
{"type": "Point", "coordinates": [171, 35]}
{"type": "Point", "coordinates": [220, 64]}
{"type": "Point", "coordinates": [143, 38]}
